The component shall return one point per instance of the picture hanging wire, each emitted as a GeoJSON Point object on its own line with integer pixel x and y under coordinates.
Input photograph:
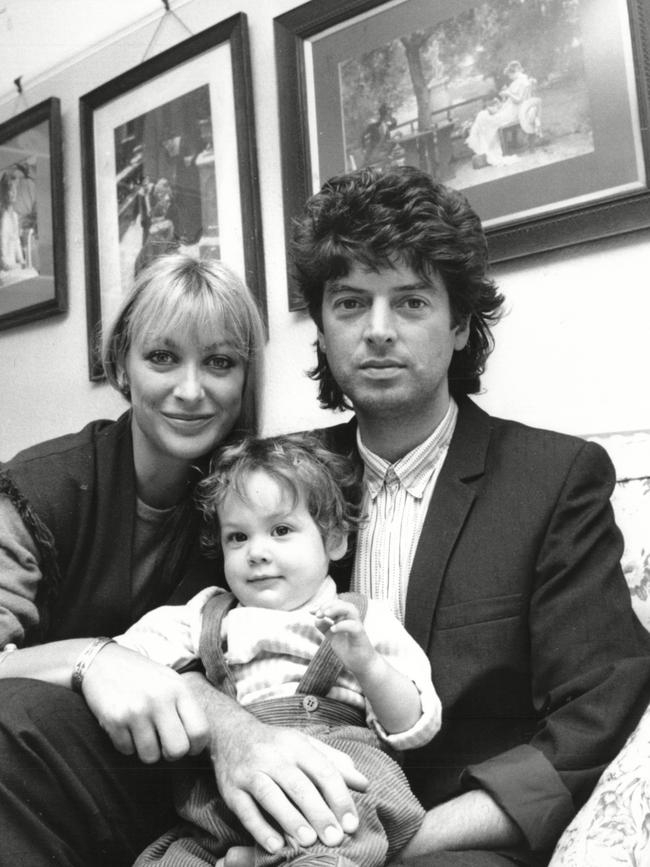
{"type": "Point", "coordinates": [21, 96]}
{"type": "Point", "coordinates": [165, 16]}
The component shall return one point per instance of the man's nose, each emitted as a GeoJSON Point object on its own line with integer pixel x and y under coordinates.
{"type": "Point", "coordinates": [380, 324]}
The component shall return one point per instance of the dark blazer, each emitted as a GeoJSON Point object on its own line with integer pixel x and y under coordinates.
{"type": "Point", "coordinates": [76, 495]}
{"type": "Point", "coordinates": [517, 596]}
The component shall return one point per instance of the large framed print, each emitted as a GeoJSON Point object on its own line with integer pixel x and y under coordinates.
{"type": "Point", "coordinates": [536, 110]}
{"type": "Point", "coordinates": [169, 163]}
{"type": "Point", "coordinates": [33, 281]}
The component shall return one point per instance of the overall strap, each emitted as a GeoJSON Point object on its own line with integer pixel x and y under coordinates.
{"type": "Point", "coordinates": [211, 646]}
{"type": "Point", "coordinates": [325, 666]}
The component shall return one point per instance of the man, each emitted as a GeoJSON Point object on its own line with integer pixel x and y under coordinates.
{"type": "Point", "coordinates": [493, 541]}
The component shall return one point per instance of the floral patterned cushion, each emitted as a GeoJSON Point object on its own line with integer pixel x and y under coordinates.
{"type": "Point", "coordinates": [631, 503]}
{"type": "Point", "coordinates": [613, 827]}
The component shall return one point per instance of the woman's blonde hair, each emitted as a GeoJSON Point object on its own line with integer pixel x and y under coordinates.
{"type": "Point", "coordinates": [176, 294]}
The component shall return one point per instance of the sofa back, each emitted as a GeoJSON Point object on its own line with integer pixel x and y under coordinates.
{"type": "Point", "coordinates": [631, 501]}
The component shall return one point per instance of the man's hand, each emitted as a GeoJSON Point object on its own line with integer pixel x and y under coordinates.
{"type": "Point", "coordinates": [272, 774]}
{"type": "Point", "coordinates": [144, 707]}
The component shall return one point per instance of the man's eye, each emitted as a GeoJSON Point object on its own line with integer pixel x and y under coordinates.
{"type": "Point", "coordinates": [348, 303]}
{"type": "Point", "coordinates": [414, 303]}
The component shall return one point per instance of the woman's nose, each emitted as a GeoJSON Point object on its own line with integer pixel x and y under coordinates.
{"type": "Point", "coordinates": [189, 386]}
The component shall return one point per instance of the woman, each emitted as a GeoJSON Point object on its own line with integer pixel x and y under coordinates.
{"type": "Point", "coordinates": [514, 104]}
{"type": "Point", "coordinates": [12, 259]}
{"type": "Point", "coordinates": [96, 528]}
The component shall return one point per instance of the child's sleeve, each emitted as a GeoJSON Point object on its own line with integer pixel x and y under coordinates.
{"type": "Point", "coordinates": [392, 641]}
{"type": "Point", "coordinates": [169, 634]}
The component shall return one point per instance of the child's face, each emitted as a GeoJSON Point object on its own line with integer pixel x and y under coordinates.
{"type": "Point", "coordinates": [274, 554]}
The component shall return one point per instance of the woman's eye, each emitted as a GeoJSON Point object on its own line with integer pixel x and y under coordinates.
{"type": "Point", "coordinates": [220, 362]}
{"type": "Point", "coordinates": [160, 356]}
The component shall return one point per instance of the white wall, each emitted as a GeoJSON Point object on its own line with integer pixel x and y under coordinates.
{"type": "Point", "coordinates": [572, 353]}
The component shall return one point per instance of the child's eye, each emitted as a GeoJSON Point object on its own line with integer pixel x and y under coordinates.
{"type": "Point", "coordinates": [282, 530]}
{"type": "Point", "coordinates": [236, 538]}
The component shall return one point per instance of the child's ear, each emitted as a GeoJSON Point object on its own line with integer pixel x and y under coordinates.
{"type": "Point", "coordinates": [336, 545]}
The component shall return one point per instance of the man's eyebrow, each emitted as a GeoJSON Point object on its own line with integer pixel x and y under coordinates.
{"type": "Point", "coordinates": [338, 286]}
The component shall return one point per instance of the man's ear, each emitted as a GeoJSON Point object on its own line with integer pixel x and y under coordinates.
{"type": "Point", "coordinates": [461, 333]}
{"type": "Point", "coordinates": [336, 545]}
{"type": "Point", "coordinates": [321, 342]}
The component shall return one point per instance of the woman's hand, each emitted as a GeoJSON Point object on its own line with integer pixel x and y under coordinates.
{"type": "Point", "coordinates": [268, 772]}
{"type": "Point", "coordinates": [144, 707]}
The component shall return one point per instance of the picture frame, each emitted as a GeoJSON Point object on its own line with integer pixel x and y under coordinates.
{"type": "Point", "coordinates": [415, 74]}
{"type": "Point", "coordinates": [33, 277]}
{"type": "Point", "coordinates": [168, 147]}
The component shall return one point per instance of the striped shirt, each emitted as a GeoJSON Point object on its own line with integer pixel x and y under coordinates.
{"type": "Point", "coordinates": [268, 652]}
{"type": "Point", "coordinates": [395, 504]}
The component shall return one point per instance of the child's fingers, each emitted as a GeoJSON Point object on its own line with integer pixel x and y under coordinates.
{"type": "Point", "coordinates": [338, 610]}
{"type": "Point", "coordinates": [349, 627]}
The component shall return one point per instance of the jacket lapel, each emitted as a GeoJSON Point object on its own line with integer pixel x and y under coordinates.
{"type": "Point", "coordinates": [450, 504]}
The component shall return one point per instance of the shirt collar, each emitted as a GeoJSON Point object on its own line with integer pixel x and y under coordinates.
{"type": "Point", "coordinates": [414, 470]}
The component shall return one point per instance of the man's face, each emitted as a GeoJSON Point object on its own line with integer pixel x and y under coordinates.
{"type": "Point", "coordinates": [389, 338]}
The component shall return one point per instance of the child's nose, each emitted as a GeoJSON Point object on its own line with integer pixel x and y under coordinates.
{"type": "Point", "coordinates": [257, 551]}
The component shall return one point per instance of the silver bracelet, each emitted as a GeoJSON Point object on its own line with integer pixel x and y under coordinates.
{"type": "Point", "coordinates": [6, 650]}
{"type": "Point", "coordinates": [85, 660]}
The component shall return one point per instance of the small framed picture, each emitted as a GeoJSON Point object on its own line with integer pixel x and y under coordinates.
{"type": "Point", "coordinates": [32, 231]}
{"type": "Point", "coordinates": [169, 163]}
{"type": "Point", "coordinates": [537, 111]}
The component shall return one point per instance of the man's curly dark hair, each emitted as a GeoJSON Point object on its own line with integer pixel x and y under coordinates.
{"type": "Point", "coordinates": [376, 220]}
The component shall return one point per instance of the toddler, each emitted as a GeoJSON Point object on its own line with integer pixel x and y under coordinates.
{"type": "Point", "coordinates": [293, 651]}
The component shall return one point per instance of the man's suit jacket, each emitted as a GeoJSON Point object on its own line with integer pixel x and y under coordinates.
{"type": "Point", "coordinates": [517, 596]}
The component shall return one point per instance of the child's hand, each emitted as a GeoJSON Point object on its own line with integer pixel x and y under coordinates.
{"type": "Point", "coordinates": [342, 622]}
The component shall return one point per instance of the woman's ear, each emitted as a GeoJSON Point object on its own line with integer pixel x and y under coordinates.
{"type": "Point", "coordinates": [336, 545]}
{"type": "Point", "coordinates": [123, 382]}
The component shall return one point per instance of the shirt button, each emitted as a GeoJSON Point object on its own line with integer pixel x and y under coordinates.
{"type": "Point", "coordinates": [310, 703]}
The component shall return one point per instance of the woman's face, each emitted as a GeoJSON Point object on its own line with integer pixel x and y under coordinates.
{"type": "Point", "coordinates": [186, 397]}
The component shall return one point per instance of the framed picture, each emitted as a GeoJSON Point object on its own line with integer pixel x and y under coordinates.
{"type": "Point", "coordinates": [32, 233]}
{"type": "Point", "coordinates": [169, 163]}
{"type": "Point", "coordinates": [536, 110]}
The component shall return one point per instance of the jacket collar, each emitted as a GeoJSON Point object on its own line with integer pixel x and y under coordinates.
{"type": "Point", "coordinates": [452, 499]}
{"type": "Point", "coordinates": [451, 502]}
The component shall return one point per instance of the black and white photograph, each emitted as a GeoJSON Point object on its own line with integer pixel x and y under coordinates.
{"type": "Point", "coordinates": [166, 147]}
{"type": "Point", "coordinates": [32, 273]}
{"type": "Point", "coordinates": [534, 109]}
{"type": "Point", "coordinates": [166, 189]}
{"type": "Point", "coordinates": [502, 99]}
{"type": "Point", "coordinates": [485, 94]}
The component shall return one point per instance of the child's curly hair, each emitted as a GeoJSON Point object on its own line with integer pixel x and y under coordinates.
{"type": "Point", "coordinates": [301, 466]}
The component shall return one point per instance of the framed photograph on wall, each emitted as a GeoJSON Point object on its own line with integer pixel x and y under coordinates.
{"type": "Point", "coordinates": [169, 163]}
{"type": "Point", "coordinates": [537, 111]}
{"type": "Point", "coordinates": [32, 233]}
